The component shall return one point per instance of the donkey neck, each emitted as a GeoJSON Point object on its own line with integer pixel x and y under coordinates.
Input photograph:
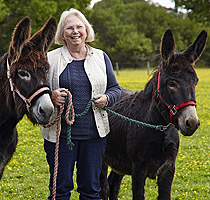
{"type": "Point", "coordinates": [154, 113]}
{"type": "Point", "coordinates": [7, 106]}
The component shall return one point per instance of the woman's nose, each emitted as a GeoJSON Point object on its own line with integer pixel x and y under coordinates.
{"type": "Point", "coordinates": [75, 30]}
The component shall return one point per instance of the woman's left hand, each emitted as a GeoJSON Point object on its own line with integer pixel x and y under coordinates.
{"type": "Point", "coordinates": [101, 101]}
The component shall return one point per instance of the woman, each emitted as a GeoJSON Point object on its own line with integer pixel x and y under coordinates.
{"type": "Point", "coordinates": [86, 72]}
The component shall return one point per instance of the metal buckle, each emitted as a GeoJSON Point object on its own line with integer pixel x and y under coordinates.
{"type": "Point", "coordinates": [173, 110]}
{"type": "Point", "coordinates": [28, 103]}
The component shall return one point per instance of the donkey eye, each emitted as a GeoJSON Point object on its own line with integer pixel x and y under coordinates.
{"type": "Point", "coordinates": [173, 85]}
{"type": "Point", "coordinates": [25, 75]}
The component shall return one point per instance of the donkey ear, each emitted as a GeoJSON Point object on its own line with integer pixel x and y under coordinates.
{"type": "Point", "coordinates": [195, 50]}
{"type": "Point", "coordinates": [168, 45]}
{"type": "Point", "coordinates": [43, 38]}
{"type": "Point", "coordinates": [21, 33]}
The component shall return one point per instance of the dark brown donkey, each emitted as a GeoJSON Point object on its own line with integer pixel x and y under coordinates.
{"type": "Point", "coordinates": [169, 97]}
{"type": "Point", "coordinates": [23, 85]}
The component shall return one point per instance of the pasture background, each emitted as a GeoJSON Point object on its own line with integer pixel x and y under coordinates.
{"type": "Point", "coordinates": [26, 176]}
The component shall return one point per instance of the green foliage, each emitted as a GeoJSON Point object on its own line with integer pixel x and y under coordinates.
{"type": "Point", "coordinates": [198, 10]}
{"type": "Point", "coordinates": [118, 34]}
{"type": "Point", "coordinates": [27, 174]}
{"type": "Point", "coordinates": [12, 11]}
{"type": "Point", "coordinates": [3, 9]}
{"type": "Point", "coordinates": [130, 31]}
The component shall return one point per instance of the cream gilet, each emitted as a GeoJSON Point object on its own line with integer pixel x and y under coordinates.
{"type": "Point", "coordinates": [95, 69]}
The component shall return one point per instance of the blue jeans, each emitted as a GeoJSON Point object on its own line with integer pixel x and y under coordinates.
{"type": "Point", "coordinates": [88, 155]}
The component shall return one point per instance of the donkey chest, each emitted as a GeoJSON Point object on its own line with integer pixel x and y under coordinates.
{"type": "Point", "coordinates": [8, 121]}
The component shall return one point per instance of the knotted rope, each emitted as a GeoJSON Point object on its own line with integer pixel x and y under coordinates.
{"type": "Point", "coordinates": [70, 118]}
{"type": "Point", "coordinates": [56, 121]}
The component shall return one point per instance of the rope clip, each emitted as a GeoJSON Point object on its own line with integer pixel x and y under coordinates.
{"type": "Point", "coordinates": [164, 128]}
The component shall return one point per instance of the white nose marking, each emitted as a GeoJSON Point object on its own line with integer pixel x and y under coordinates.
{"type": "Point", "coordinates": [189, 119]}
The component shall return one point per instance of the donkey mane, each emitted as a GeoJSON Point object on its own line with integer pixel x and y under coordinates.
{"type": "Point", "coordinates": [29, 55]}
{"type": "Point", "coordinates": [178, 64]}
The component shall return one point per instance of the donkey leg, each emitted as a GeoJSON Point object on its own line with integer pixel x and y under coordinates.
{"type": "Point", "coordinates": [2, 165]}
{"type": "Point", "coordinates": [165, 182]}
{"type": "Point", "coordinates": [138, 181]}
{"type": "Point", "coordinates": [114, 185]}
{"type": "Point", "coordinates": [7, 149]}
{"type": "Point", "coordinates": [104, 193]}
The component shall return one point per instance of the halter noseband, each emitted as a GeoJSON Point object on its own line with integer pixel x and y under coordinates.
{"type": "Point", "coordinates": [42, 90]}
{"type": "Point", "coordinates": [173, 108]}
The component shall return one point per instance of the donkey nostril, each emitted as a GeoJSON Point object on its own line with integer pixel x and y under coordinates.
{"type": "Point", "coordinates": [41, 111]}
{"type": "Point", "coordinates": [45, 112]}
{"type": "Point", "coordinates": [192, 124]}
{"type": "Point", "coordinates": [188, 124]}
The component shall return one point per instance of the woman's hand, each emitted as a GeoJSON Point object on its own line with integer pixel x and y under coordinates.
{"type": "Point", "coordinates": [58, 96]}
{"type": "Point", "coordinates": [101, 102]}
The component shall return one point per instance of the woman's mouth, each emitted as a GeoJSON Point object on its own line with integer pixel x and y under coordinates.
{"type": "Point", "coordinates": [75, 37]}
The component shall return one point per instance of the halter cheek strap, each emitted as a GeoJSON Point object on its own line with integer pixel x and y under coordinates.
{"type": "Point", "coordinates": [9, 76]}
{"type": "Point", "coordinates": [30, 99]}
{"type": "Point", "coordinates": [42, 90]}
{"type": "Point", "coordinates": [173, 108]}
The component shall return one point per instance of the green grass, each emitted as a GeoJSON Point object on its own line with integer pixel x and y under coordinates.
{"type": "Point", "coordinates": [26, 176]}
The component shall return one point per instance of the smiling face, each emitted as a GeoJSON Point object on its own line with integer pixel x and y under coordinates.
{"type": "Point", "coordinates": [74, 31]}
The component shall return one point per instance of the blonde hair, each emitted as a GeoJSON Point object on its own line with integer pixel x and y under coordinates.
{"type": "Point", "coordinates": [60, 29]}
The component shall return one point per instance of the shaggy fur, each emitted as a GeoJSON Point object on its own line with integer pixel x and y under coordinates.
{"type": "Point", "coordinates": [144, 152]}
{"type": "Point", "coordinates": [24, 53]}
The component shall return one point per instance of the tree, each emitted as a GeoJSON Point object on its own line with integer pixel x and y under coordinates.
{"type": "Point", "coordinates": [12, 11]}
{"type": "Point", "coordinates": [130, 31]}
{"type": "Point", "coordinates": [198, 10]}
{"type": "Point", "coordinates": [117, 36]}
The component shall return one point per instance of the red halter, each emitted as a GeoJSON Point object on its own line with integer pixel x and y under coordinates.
{"type": "Point", "coordinates": [173, 108]}
{"type": "Point", "coordinates": [28, 101]}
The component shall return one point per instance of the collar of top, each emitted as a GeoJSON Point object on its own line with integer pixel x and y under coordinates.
{"type": "Point", "coordinates": [67, 56]}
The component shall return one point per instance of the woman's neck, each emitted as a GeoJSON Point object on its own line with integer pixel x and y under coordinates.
{"type": "Point", "coordinates": [78, 52]}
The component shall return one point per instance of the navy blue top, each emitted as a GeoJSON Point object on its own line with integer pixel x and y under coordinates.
{"type": "Point", "coordinates": [74, 79]}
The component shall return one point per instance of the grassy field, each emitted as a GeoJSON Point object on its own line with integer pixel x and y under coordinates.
{"type": "Point", "coordinates": [26, 176]}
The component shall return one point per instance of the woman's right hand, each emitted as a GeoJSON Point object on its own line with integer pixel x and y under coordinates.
{"type": "Point", "coordinates": [58, 96]}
